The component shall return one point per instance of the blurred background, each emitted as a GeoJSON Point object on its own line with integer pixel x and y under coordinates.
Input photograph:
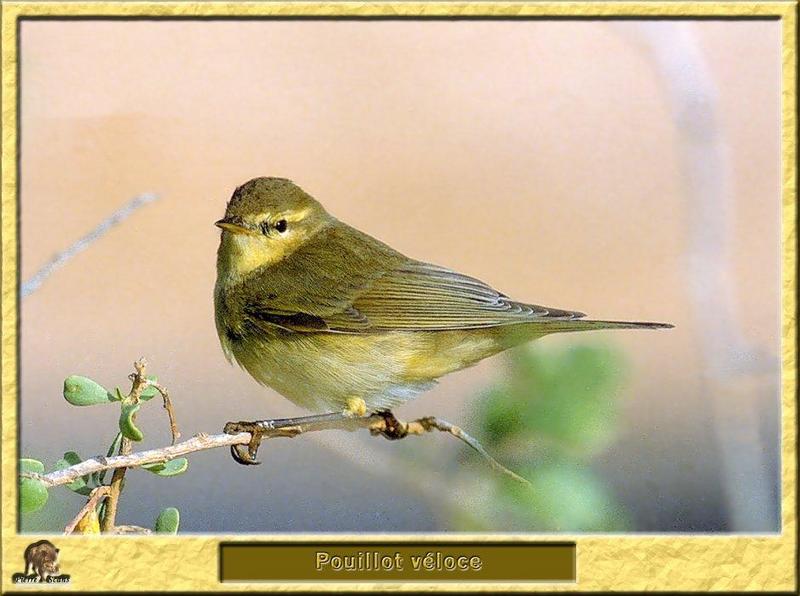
{"type": "Point", "coordinates": [626, 169]}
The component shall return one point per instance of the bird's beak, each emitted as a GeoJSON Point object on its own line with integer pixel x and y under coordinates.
{"type": "Point", "coordinates": [234, 227]}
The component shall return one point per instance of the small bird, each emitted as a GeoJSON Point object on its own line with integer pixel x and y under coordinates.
{"type": "Point", "coordinates": [337, 321]}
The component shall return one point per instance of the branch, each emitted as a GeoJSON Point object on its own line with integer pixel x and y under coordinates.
{"type": "Point", "coordinates": [97, 494]}
{"type": "Point", "coordinates": [378, 424]}
{"type": "Point", "coordinates": [59, 259]}
{"type": "Point", "coordinates": [139, 382]}
{"type": "Point", "coordinates": [173, 423]}
{"type": "Point", "coordinates": [431, 423]}
{"type": "Point", "coordinates": [99, 463]}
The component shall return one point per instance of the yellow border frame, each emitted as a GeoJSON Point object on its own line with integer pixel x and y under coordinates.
{"type": "Point", "coordinates": [630, 562]}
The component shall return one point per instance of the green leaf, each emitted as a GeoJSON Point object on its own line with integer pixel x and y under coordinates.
{"type": "Point", "coordinates": [31, 465]}
{"type": "Point", "coordinates": [117, 395]}
{"type": "Point", "coordinates": [115, 444]}
{"type": "Point", "coordinates": [71, 458]}
{"type": "Point", "coordinates": [126, 422]}
{"type": "Point", "coordinates": [167, 521]}
{"type": "Point", "coordinates": [172, 467]}
{"type": "Point", "coordinates": [149, 392]}
{"type": "Point", "coordinates": [80, 485]}
{"type": "Point", "coordinates": [84, 490]}
{"type": "Point", "coordinates": [32, 492]}
{"type": "Point", "coordinates": [112, 450]}
{"type": "Point", "coordinates": [32, 495]}
{"type": "Point", "coordinates": [80, 391]}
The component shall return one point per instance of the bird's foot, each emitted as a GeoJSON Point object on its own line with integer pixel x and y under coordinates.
{"type": "Point", "coordinates": [392, 429]}
{"type": "Point", "coordinates": [355, 407]}
{"type": "Point", "coordinates": [245, 454]}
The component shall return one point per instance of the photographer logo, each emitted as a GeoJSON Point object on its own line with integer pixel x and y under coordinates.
{"type": "Point", "coordinates": [41, 565]}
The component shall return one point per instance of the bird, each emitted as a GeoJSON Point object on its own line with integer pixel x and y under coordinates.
{"type": "Point", "coordinates": [338, 321]}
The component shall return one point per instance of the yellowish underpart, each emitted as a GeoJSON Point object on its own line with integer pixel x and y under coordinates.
{"type": "Point", "coordinates": [361, 373]}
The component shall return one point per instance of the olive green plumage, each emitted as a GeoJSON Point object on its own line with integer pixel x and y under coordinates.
{"type": "Point", "coordinates": [324, 313]}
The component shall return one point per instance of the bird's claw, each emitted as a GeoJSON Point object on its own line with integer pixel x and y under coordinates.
{"type": "Point", "coordinates": [393, 429]}
{"type": "Point", "coordinates": [245, 454]}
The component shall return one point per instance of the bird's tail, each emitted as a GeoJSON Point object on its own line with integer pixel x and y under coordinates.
{"type": "Point", "coordinates": [514, 335]}
{"type": "Point", "coordinates": [458, 353]}
{"type": "Point", "coordinates": [566, 325]}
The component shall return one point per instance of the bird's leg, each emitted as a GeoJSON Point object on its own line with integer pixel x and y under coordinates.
{"type": "Point", "coordinates": [355, 407]}
{"type": "Point", "coordinates": [280, 427]}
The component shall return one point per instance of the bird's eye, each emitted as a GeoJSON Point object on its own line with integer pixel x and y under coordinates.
{"type": "Point", "coordinates": [281, 225]}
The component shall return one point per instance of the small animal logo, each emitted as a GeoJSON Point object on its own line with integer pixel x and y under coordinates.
{"type": "Point", "coordinates": [41, 565]}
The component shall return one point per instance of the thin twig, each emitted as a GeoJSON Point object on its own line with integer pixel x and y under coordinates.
{"type": "Point", "coordinates": [431, 423]}
{"type": "Point", "coordinates": [173, 424]}
{"type": "Point", "coordinates": [139, 382]}
{"type": "Point", "coordinates": [59, 259]}
{"type": "Point", "coordinates": [94, 499]}
{"type": "Point", "coordinates": [376, 423]}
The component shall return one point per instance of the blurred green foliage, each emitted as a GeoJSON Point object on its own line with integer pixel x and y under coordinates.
{"type": "Point", "coordinates": [549, 414]}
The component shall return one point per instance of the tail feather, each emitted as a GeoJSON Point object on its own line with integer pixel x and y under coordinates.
{"type": "Point", "coordinates": [554, 326]}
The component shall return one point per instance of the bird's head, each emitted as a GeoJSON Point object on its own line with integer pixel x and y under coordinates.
{"type": "Point", "coordinates": [266, 220]}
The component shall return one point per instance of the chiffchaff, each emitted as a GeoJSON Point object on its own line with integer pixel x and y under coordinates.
{"type": "Point", "coordinates": [335, 320]}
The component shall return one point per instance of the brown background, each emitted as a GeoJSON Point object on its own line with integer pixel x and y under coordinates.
{"type": "Point", "coordinates": [541, 157]}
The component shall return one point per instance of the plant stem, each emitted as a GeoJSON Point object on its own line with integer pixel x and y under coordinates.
{"type": "Point", "coordinates": [97, 495]}
{"type": "Point", "coordinates": [139, 382]}
{"type": "Point", "coordinates": [115, 489]}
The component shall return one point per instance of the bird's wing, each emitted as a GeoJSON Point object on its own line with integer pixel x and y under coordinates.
{"type": "Point", "coordinates": [421, 296]}
{"type": "Point", "coordinates": [350, 294]}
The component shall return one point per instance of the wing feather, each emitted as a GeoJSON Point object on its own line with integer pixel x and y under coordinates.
{"type": "Point", "coordinates": [422, 296]}
{"type": "Point", "coordinates": [334, 285]}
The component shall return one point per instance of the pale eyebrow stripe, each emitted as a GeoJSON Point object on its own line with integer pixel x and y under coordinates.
{"type": "Point", "coordinates": [295, 216]}
{"type": "Point", "coordinates": [290, 216]}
